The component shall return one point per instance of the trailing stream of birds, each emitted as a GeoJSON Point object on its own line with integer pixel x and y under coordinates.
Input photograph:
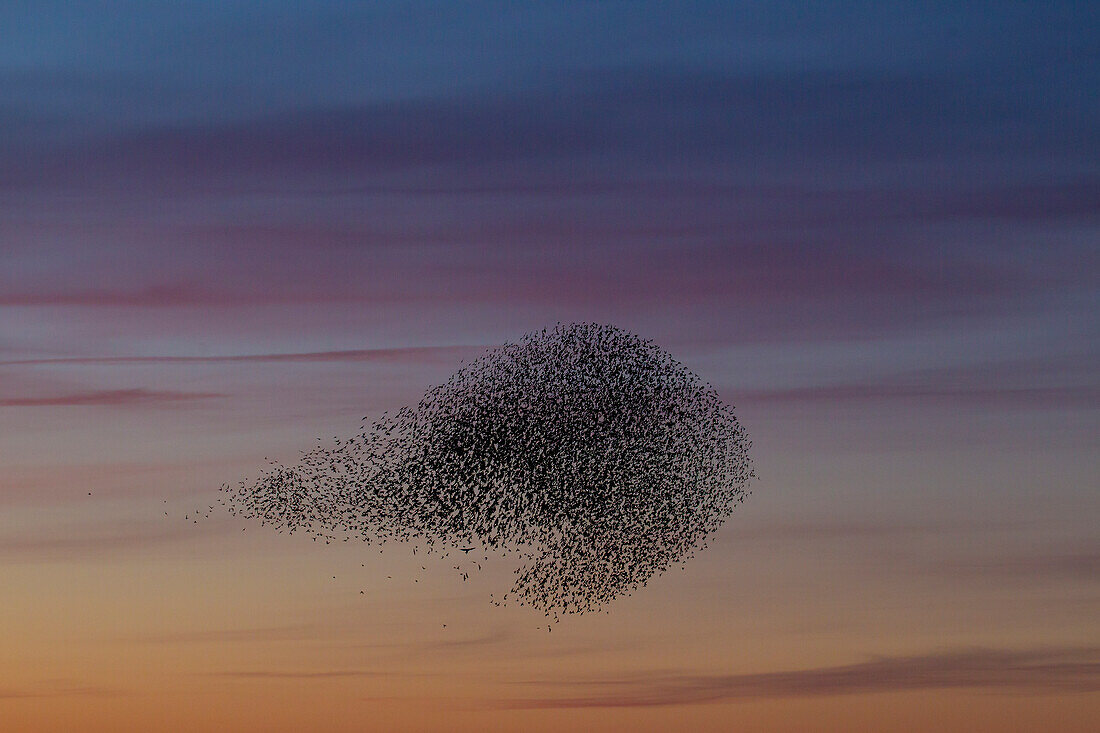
{"type": "Point", "coordinates": [587, 452]}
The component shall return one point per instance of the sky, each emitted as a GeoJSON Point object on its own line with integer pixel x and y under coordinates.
{"type": "Point", "coordinates": [228, 229]}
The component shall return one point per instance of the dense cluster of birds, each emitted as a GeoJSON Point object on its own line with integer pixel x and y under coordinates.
{"type": "Point", "coordinates": [584, 449]}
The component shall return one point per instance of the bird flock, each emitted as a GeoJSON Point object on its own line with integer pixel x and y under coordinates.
{"type": "Point", "coordinates": [586, 451]}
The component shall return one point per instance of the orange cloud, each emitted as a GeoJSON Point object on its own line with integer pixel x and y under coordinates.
{"type": "Point", "coordinates": [1041, 670]}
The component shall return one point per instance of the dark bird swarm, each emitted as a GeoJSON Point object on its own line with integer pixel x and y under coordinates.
{"type": "Point", "coordinates": [588, 451]}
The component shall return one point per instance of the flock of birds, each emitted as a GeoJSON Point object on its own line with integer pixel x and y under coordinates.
{"type": "Point", "coordinates": [585, 450]}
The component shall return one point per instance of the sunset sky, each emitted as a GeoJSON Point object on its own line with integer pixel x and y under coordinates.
{"type": "Point", "coordinates": [230, 228]}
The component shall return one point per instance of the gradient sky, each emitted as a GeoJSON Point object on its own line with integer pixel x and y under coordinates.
{"type": "Point", "coordinates": [229, 228]}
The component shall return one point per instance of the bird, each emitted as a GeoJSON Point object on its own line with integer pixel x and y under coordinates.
{"type": "Point", "coordinates": [587, 452]}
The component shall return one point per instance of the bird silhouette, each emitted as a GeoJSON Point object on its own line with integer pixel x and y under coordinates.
{"type": "Point", "coordinates": [588, 453]}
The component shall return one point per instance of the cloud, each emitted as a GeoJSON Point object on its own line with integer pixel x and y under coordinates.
{"type": "Point", "coordinates": [12, 694]}
{"type": "Point", "coordinates": [314, 675]}
{"type": "Point", "coordinates": [403, 650]}
{"type": "Point", "coordinates": [656, 179]}
{"type": "Point", "coordinates": [142, 297]}
{"type": "Point", "coordinates": [1072, 395]}
{"type": "Point", "coordinates": [108, 398]}
{"type": "Point", "coordinates": [57, 689]}
{"type": "Point", "coordinates": [396, 355]}
{"type": "Point", "coordinates": [1078, 565]}
{"type": "Point", "coordinates": [1064, 670]}
{"type": "Point", "coordinates": [476, 642]}
{"type": "Point", "coordinates": [86, 542]}
{"type": "Point", "coordinates": [641, 114]}
{"type": "Point", "coordinates": [492, 638]}
{"type": "Point", "coordinates": [847, 531]}
{"type": "Point", "coordinates": [158, 296]}
{"type": "Point", "coordinates": [701, 272]}
{"type": "Point", "coordinates": [288, 632]}
{"type": "Point", "coordinates": [1044, 381]}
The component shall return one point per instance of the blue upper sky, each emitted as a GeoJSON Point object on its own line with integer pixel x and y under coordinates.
{"type": "Point", "coordinates": [844, 162]}
{"type": "Point", "coordinates": [135, 63]}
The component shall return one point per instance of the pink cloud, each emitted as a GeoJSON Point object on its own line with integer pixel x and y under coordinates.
{"type": "Point", "coordinates": [111, 397]}
{"type": "Point", "coordinates": [396, 355]}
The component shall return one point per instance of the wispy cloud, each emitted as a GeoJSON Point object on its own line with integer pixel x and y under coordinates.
{"type": "Point", "coordinates": [493, 638]}
{"type": "Point", "coordinates": [1078, 395]}
{"type": "Point", "coordinates": [104, 539]}
{"type": "Point", "coordinates": [870, 528]}
{"type": "Point", "coordinates": [1065, 379]}
{"type": "Point", "coordinates": [401, 354]}
{"type": "Point", "coordinates": [312, 632]}
{"type": "Point", "coordinates": [109, 397]}
{"type": "Point", "coordinates": [142, 297]}
{"type": "Point", "coordinates": [160, 296]}
{"type": "Point", "coordinates": [1079, 565]}
{"type": "Point", "coordinates": [298, 675]}
{"type": "Point", "coordinates": [1026, 557]}
{"type": "Point", "coordinates": [1040, 670]}
{"type": "Point", "coordinates": [287, 632]}
{"type": "Point", "coordinates": [475, 642]}
{"type": "Point", "coordinates": [319, 675]}
{"type": "Point", "coordinates": [638, 113]}
{"type": "Point", "coordinates": [56, 689]}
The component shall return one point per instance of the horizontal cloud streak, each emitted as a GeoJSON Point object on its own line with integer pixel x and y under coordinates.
{"type": "Point", "coordinates": [1062, 379]}
{"type": "Point", "coordinates": [398, 355]}
{"type": "Point", "coordinates": [671, 270]}
{"type": "Point", "coordinates": [55, 690]}
{"type": "Point", "coordinates": [493, 638]}
{"type": "Point", "coordinates": [1081, 565]}
{"type": "Point", "coordinates": [109, 398]}
{"type": "Point", "coordinates": [645, 113]}
{"type": "Point", "coordinates": [83, 543]}
{"type": "Point", "coordinates": [890, 529]}
{"type": "Point", "coordinates": [322, 675]}
{"type": "Point", "coordinates": [1038, 671]}
{"type": "Point", "coordinates": [289, 632]}
{"type": "Point", "coordinates": [1078, 396]}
